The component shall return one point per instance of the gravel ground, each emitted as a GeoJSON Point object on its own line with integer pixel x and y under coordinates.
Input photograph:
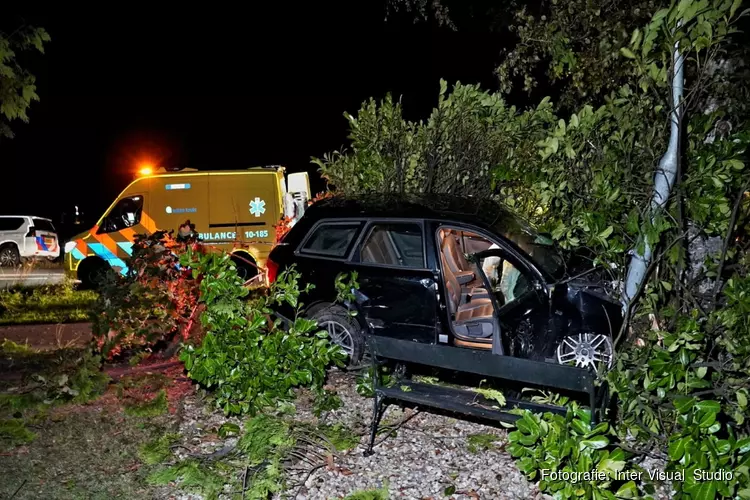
{"type": "Point", "coordinates": [425, 456]}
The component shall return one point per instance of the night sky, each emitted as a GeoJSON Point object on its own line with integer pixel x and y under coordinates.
{"type": "Point", "coordinates": [214, 89]}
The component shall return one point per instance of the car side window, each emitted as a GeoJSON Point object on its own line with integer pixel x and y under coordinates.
{"type": "Point", "coordinates": [10, 223]}
{"type": "Point", "coordinates": [126, 213]}
{"type": "Point", "coordinates": [331, 240]}
{"type": "Point", "coordinates": [394, 244]}
{"type": "Point", "coordinates": [43, 225]}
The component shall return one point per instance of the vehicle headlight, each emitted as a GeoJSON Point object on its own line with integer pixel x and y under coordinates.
{"type": "Point", "coordinates": [69, 246]}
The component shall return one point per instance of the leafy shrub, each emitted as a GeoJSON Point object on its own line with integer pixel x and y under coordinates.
{"type": "Point", "coordinates": [549, 443]}
{"type": "Point", "coordinates": [585, 172]}
{"type": "Point", "coordinates": [155, 299]}
{"type": "Point", "coordinates": [245, 357]}
{"type": "Point", "coordinates": [685, 392]}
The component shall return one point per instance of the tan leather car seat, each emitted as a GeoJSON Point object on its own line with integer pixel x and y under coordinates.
{"type": "Point", "coordinates": [473, 320]}
{"type": "Point", "coordinates": [461, 268]}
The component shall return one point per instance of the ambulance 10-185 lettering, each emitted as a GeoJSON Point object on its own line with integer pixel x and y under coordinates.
{"type": "Point", "coordinates": [231, 235]}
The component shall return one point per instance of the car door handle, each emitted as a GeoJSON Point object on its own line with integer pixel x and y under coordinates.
{"type": "Point", "coordinates": [427, 283]}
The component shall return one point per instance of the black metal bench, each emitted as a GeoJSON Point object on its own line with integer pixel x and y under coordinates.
{"type": "Point", "coordinates": [483, 363]}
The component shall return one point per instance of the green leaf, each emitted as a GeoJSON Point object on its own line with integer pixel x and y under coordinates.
{"type": "Point", "coordinates": [741, 399]}
{"type": "Point", "coordinates": [659, 15]}
{"type": "Point", "coordinates": [605, 234]}
{"type": "Point", "coordinates": [723, 446]}
{"type": "Point", "coordinates": [596, 443]}
{"type": "Point", "coordinates": [707, 419]}
{"type": "Point", "coordinates": [627, 52]}
{"type": "Point", "coordinates": [743, 445]}
{"type": "Point", "coordinates": [706, 491]}
{"type": "Point", "coordinates": [228, 428]}
{"type": "Point", "coordinates": [610, 466]}
{"type": "Point", "coordinates": [735, 164]}
{"type": "Point", "coordinates": [627, 490]}
{"type": "Point", "coordinates": [635, 38]}
{"type": "Point", "coordinates": [554, 144]}
{"type": "Point", "coordinates": [677, 448]}
{"type": "Point", "coordinates": [709, 405]}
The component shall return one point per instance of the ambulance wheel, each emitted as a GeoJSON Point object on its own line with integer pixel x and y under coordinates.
{"type": "Point", "coordinates": [91, 272]}
{"type": "Point", "coordinates": [245, 269]}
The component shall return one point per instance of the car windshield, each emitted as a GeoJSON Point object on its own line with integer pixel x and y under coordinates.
{"type": "Point", "coordinates": [541, 248]}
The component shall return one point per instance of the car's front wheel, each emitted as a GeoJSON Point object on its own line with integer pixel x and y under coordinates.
{"type": "Point", "coordinates": [343, 330]}
{"type": "Point", "coordinates": [92, 272]}
{"type": "Point", "coordinates": [587, 350]}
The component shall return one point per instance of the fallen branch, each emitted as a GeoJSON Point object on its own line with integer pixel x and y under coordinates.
{"type": "Point", "coordinates": [309, 473]}
{"type": "Point", "coordinates": [396, 427]}
{"type": "Point", "coordinates": [727, 239]}
{"type": "Point", "coordinates": [220, 453]}
{"type": "Point", "coordinates": [117, 373]}
{"type": "Point", "coordinates": [18, 489]}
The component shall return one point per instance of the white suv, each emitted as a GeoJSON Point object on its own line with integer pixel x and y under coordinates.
{"type": "Point", "coordinates": [25, 237]}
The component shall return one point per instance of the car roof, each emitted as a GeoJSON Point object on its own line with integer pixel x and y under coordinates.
{"type": "Point", "coordinates": [24, 217]}
{"type": "Point", "coordinates": [446, 208]}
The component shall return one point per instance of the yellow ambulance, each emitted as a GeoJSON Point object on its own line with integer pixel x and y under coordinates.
{"type": "Point", "coordinates": [233, 210]}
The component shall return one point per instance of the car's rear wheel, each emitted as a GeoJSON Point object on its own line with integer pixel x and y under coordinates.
{"type": "Point", "coordinates": [9, 256]}
{"type": "Point", "coordinates": [587, 350]}
{"type": "Point", "coordinates": [343, 330]}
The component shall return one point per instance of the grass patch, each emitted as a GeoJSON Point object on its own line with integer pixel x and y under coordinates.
{"type": "Point", "coordinates": [151, 408]}
{"type": "Point", "coordinates": [69, 450]}
{"type": "Point", "coordinates": [379, 494]}
{"type": "Point", "coordinates": [46, 379]}
{"type": "Point", "coordinates": [481, 442]}
{"type": "Point", "coordinates": [45, 304]}
{"type": "Point", "coordinates": [84, 452]}
{"type": "Point", "coordinates": [192, 476]}
{"type": "Point", "coordinates": [157, 450]}
{"type": "Point", "coordinates": [13, 432]}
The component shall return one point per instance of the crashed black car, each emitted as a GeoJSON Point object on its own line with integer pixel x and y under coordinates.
{"type": "Point", "coordinates": [447, 271]}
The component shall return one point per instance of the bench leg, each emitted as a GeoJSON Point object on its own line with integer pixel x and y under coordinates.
{"type": "Point", "coordinates": [592, 405]}
{"type": "Point", "coordinates": [377, 403]}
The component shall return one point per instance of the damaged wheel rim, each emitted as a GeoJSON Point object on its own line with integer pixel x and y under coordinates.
{"type": "Point", "coordinates": [339, 335]}
{"type": "Point", "coordinates": [586, 350]}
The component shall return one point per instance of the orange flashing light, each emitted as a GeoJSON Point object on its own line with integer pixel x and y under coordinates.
{"type": "Point", "coordinates": [146, 170]}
